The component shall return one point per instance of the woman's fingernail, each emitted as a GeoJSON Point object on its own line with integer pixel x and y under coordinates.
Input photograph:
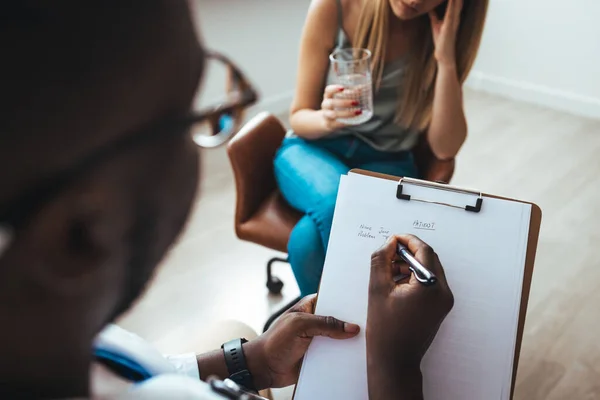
{"type": "Point", "coordinates": [351, 328]}
{"type": "Point", "coordinates": [355, 103]}
{"type": "Point", "coordinates": [341, 89]}
{"type": "Point", "coordinates": [358, 112]}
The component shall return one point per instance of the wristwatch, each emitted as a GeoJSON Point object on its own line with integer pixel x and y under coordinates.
{"type": "Point", "coordinates": [236, 364]}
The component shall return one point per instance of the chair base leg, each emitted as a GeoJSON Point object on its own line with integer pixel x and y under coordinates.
{"type": "Point", "coordinates": [278, 313]}
{"type": "Point", "coordinates": [274, 284]}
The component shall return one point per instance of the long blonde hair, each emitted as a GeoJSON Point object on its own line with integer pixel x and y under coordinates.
{"type": "Point", "coordinates": [416, 98]}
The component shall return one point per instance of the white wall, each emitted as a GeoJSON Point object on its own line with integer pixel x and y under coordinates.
{"type": "Point", "coordinates": [542, 51]}
{"type": "Point", "coordinates": [262, 37]}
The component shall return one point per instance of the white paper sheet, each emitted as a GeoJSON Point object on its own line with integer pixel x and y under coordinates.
{"type": "Point", "coordinates": [484, 257]}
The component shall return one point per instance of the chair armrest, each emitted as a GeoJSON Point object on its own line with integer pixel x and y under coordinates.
{"type": "Point", "coordinates": [440, 170]}
{"type": "Point", "coordinates": [251, 153]}
{"type": "Point", "coordinates": [431, 168]}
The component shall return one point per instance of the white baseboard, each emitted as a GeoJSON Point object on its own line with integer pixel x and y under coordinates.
{"type": "Point", "coordinates": [537, 94]}
{"type": "Point", "coordinates": [517, 90]}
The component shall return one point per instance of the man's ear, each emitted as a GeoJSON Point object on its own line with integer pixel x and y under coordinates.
{"type": "Point", "coordinates": [76, 242]}
{"type": "Point", "coordinates": [6, 238]}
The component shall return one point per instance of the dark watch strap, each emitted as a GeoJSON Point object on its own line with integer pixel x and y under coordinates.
{"type": "Point", "coordinates": [236, 363]}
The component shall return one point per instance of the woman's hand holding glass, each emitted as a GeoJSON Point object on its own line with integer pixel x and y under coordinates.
{"type": "Point", "coordinates": [334, 108]}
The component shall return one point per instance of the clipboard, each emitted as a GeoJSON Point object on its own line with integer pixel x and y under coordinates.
{"type": "Point", "coordinates": [475, 207]}
{"type": "Point", "coordinates": [532, 241]}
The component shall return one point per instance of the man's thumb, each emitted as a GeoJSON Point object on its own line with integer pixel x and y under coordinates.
{"type": "Point", "coordinates": [317, 325]}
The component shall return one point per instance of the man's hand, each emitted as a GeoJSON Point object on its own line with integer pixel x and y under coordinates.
{"type": "Point", "coordinates": [403, 319]}
{"type": "Point", "coordinates": [274, 358]}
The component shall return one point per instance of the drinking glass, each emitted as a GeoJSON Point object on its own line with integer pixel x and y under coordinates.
{"type": "Point", "coordinates": [352, 70]}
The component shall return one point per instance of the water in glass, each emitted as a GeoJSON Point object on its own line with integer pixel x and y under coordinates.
{"type": "Point", "coordinates": [352, 70]}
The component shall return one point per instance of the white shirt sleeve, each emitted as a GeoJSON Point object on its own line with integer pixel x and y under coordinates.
{"type": "Point", "coordinates": [116, 340]}
{"type": "Point", "coordinates": [185, 364]}
{"type": "Point", "coordinates": [175, 376]}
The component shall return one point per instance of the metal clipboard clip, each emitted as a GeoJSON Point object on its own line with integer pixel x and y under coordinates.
{"type": "Point", "coordinates": [440, 186]}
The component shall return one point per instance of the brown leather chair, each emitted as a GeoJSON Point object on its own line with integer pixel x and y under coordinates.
{"type": "Point", "coordinates": [262, 216]}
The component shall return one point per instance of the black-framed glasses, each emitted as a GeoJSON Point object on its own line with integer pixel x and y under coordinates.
{"type": "Point", "coordinates": [210, 127]}
{"type": "Point", "coordinates": [215, 125]}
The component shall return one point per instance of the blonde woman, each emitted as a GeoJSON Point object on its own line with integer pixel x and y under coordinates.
{"type": "Point", "coordinates": [422, 52]}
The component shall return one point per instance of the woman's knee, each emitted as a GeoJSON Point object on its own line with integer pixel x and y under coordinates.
{"type": "Point", "coordinates": [306, 173]}
{"type": "Point", "coordinates": [291, 158]}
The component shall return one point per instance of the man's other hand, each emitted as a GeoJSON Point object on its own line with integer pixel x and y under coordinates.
{"type": "Point", "coordinates": [274, 357]}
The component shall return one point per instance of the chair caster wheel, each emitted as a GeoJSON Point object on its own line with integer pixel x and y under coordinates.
{"type": "Point", "coordinates": [274, 285]}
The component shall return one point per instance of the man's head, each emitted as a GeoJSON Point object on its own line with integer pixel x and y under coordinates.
{"type": "Point", "coordinates": [78, 77]}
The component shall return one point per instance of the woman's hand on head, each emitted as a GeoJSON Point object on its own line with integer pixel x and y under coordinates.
{"type": "Point", "coordinates": [445, 31]}
{"type": "Point", "coordinates": [338, 103]}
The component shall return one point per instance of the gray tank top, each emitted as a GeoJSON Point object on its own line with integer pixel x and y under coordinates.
{"type": "Point", "coordinates": [380, 132]}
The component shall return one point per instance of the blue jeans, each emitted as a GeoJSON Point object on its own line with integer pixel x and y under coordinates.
{"type": "Point", "coordinates": [308, 174]}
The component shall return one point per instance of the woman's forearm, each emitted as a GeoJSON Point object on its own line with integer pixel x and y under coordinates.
{"type": "Point", "coordinates": [309, 124]}
{"type": "Point", "coordinates": [448, 129]}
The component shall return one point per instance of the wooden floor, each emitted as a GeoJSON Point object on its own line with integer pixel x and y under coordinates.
{"type": "Point", "coordinates": [551, 159]}
{"type": "Point", "coordinates": [513, 149]}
